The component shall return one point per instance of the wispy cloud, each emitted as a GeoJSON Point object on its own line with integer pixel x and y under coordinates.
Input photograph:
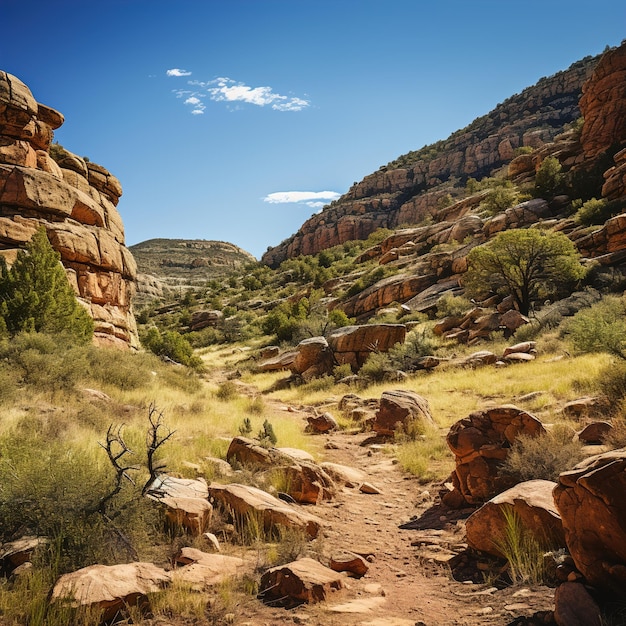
{"type": "Point", "coordinates": [177, 72]}
{"type": "Point", "coordinates": [227, 90]}
{"type": "Point", "coordinates": [313, 199]}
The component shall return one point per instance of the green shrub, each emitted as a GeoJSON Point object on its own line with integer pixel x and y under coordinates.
{"type": "Point", "coordinates": [449, 305]}
{"type": "Point", "coordinates": [170, 344]}
{"type": "Point", "coordinates": [549, 180]}
{"type": "Point", "coordinates": [227, 391]}
{"type": "Point", "coordinates": [599, 328]}
{"type": "Point", "coordinates": [37, 296]}
{"type": "Point", "coordinates": [267, 436]}
{"type": "Point", "coordinates": [45, 362]}
{"type": "Point", "coordinates": [378, 367]}
{"type": "Point", "coordinates": [499, 199]}
{"type": "Point", "coordinates": [611, 382]}
{"type": "Point", "coordinates": [590, 212]}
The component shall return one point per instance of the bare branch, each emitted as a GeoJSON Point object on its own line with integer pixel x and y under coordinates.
{"type": "Point", "coordinates": [154, 440]}
{"type": "Point", "coordinates": [116, 449]}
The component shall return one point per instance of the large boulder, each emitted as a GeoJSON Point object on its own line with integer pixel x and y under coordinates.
{"type": "Point", "coordinates": [299, 582]}
{"type": "Point", "coordinates": [480, 443]}
{"type": "Point", "coordinates": [313, 358]}
{"type": "Point", "coordinates": [110, 588]}
{"type": "Point", "coordinates": [353, 344]}
{"type": "Point", "coordinates": [42, 184]}
{"type": "Point", "coordinates": [531, 504]}
{"type": "Point", "coordinates": [590, 500]}
{"type": "Point", "coordinates": [404, 410]}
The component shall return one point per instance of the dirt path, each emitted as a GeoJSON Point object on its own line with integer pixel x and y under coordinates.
{"type": "Point", "coordinates": [411, 541]}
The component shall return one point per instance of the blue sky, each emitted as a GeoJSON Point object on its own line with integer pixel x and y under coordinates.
{"type": "Point", "coordinates": [236, 120]}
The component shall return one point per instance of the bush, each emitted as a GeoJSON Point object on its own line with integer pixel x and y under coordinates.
{"type": "Point", "coordinates": [449, 305]}
{"type": "Point", "coordinates": [611, 382]}
{"type": "Point", "coordinates": [227, 391]}
{"type": "Point", "coordinates": [599, 328]}
{"type": "Point", "coordinates": [591, 212]}
{"type": "Point", "coordinates": [499, 199]}
{"type": "Point", "coordinates": [378, 367]}
{"type": "Point", "coordinates": [44, 362]}
{"type": "Point", "coordinates": [543, 457]}
{"type": "Point", "coordinates": [170, 344]}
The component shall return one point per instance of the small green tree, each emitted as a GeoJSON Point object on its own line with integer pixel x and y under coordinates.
{"type": "Point", "coordinates": [549, 180]}
{"type": "Point", "coordinates": [528, 264]}
{"type": "Point", "coordinates": [35, 294]}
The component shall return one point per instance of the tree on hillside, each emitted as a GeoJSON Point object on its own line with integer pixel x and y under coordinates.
{"type": "Point", "coordinates": [528, 264]}
{"type": "Point", "coordinates": [549, 179]}
{"type": "Point", "coordinates": [35, 294]}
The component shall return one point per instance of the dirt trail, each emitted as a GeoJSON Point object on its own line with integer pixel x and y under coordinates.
{"type": "Point", "coordinates": [411, 539]}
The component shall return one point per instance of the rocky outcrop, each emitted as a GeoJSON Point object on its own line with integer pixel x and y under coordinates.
{"type": "Point", "coordinates": [590, 499]}
{"type": "Point", "coordinates": [43, 184]}
{"type": "Point", "coordinates": [406, 191]}
{"type": "Point", "coordinates": [603, 104]}
{"type": "Point", "coordinates": [480, 444]}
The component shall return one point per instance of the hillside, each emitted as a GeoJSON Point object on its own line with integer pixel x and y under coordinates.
{"type": "Point", "coordinates": [167, 265]}
{"type": "Point", "coordinates": [410, 188]}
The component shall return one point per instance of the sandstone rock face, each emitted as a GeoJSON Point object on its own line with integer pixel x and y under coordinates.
{"type": "Point", "coordinates": [76, 202]}
{"type": "Point", "coordinates": [532, 504]}
{"type": "Point", "coordinates": [590, 500]}
{"type": "Point", "coordinates": [405, 192]}
{"type": "Point", "coordinates": [603, 104]}
{"type": "Point", "coordinates": [110, 588]}
{"type": "Point", "coordinates": [398, 409]}
{"type": "Point", "coordinates": [480, 443]}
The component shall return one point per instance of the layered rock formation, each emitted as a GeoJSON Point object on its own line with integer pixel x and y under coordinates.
{"type": "Point", "coordinates": [407, 190]}
{"type": "Point", "coordinates": [43, 184]}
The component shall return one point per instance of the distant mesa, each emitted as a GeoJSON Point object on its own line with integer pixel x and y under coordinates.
{"type": "Point", "coordinates": [167, 266]}
{"type": "Point", "coordinates": [41, 183]}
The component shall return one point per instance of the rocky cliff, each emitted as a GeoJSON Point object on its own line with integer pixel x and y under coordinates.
{"type": "Point", "coordinates": [411, 188]}
{"type": "Point", "coordinates": [43, 184]}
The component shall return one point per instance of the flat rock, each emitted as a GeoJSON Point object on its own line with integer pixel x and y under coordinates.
{"type": "Point", "coordinates": [243, 501]}
{"type": "Point", "coordinates": [110, 587]}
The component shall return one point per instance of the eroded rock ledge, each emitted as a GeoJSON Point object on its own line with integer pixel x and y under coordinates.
{"type": "Point", "coordinates": [43, 184]}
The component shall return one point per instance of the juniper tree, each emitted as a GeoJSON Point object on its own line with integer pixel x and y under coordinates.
{"type": "Point", "coordinates": [35, 294]}
{"type": "Point", "coordinates": [528, 264]}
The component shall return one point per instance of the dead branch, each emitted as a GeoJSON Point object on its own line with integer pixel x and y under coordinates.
{"type": "Point", "coordinates": [154, 440]}
{"type": "Point", "coordinates": [116, 448]}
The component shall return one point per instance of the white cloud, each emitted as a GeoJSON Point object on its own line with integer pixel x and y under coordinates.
{"type": "Point", "coordinates": [177, 72]}
{"type": "Point", "coordinates": [313, 199]}
{"type": "Point", "coordinates": [227, 90]}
